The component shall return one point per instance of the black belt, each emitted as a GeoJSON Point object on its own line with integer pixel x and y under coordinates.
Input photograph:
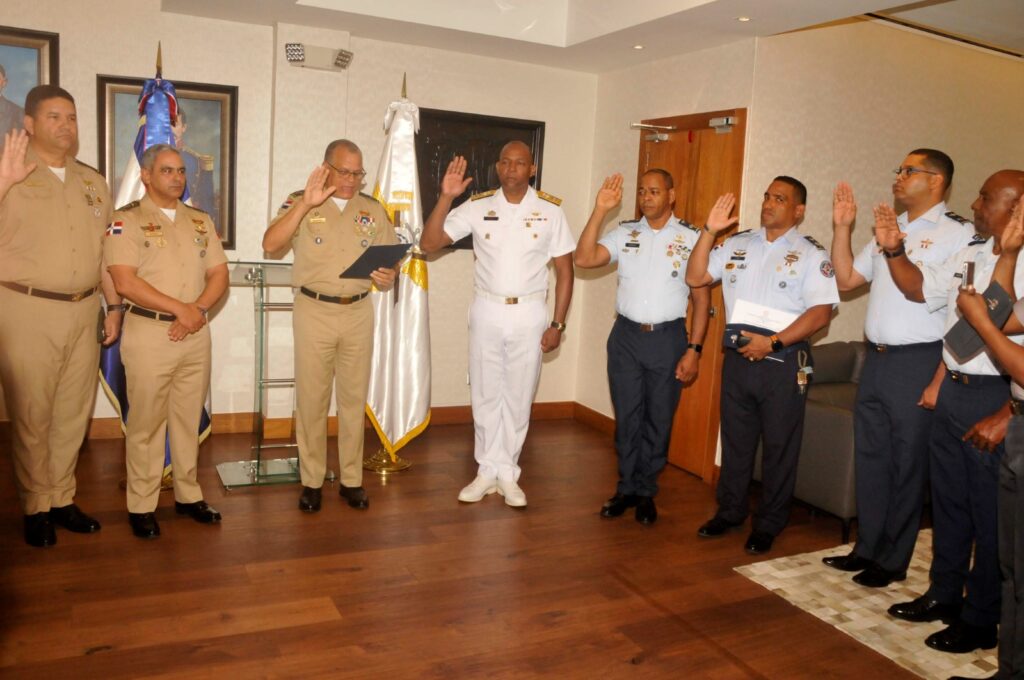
{"type": "Point", "coordinates": [49, 295]}
{"type": "Point", "coordinates": [150, 314]}
{"type": "Point", "coordinates": [1016, 407]}
{"type": "Point", "coordinates": [882, 349]}
{"type": "Point", "coordinates": [977, 380]}
{"type": "Point", "coordinates": [651, 327]}
{"type": "Point", "coordinates": [335, 299]}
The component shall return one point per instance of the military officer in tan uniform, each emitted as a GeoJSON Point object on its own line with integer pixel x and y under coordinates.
{"type": "Point", "coordinates": [53, 210]}
{"type": "Point", "coordinates": [329, 224]}
{"type": "Point", "coordinates": [167, 262]}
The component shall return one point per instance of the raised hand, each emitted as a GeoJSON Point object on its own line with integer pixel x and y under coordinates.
{"type": "Point", "coordinates": [844, 208]}
{"type": "Point", "coordinates": [719, 219]}
{"type": "Point", "coordinates": [455, 181]}
{"type": "Point", "coordinates": [13, 168]}
{"type": "Point", "coordinates": [1012, 238]}
{"type": "Point", "coordinates": [887, 231]}
{"type": "Point", "coordinates": [610, 193]}
{"type": "Point", "coordinates": [317, 191]}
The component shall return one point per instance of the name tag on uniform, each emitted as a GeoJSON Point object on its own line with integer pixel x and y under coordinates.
{"type": "Point", "coordinates": [632, 245]}
{"type": "Point", "coordinates": [490, 218]}
{"type": "Point", "coordinates": [317, 220]}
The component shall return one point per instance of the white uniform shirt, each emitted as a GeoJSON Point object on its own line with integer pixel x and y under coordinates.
{"type": "Point", "coordinates": [791, 274]}
{"type": "Point", "coordinates": [652, 268]}
{"type": "Point", "coordinates": [1016, 390]}
{"type": "Point", "coordinates": [941, 286]}
{"type": "Point", "coordinates": [512, 242]}
{"type": "Point", "coordinates": [892, 319]}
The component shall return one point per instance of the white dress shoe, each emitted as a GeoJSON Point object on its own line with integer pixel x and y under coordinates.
{"type": "Point", "coordinates": [514, 496]}
{"type": "Point", "coordinates": [477, 489]}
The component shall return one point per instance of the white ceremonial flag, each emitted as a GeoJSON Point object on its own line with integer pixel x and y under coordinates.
{"type": "Point", "coordinates": [398, 402]}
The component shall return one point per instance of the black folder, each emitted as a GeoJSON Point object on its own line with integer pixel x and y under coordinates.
{"type": "Point", "coordinates": [962, 340]}
{"type": "Point", "coordinates": [373, 258]}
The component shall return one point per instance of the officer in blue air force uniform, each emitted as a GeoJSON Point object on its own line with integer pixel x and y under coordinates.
{"type": "Point", "coordinates": [779, 268]}
{"type": "Point", "coordinates": [649, 356]}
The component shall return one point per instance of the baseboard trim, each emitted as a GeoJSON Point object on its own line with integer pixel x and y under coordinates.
{"type": "Point", "coordinates": [591, 418]}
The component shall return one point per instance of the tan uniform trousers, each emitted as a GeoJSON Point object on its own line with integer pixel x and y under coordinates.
{"type": "Point", "coordinates": [333, 343]}
{"type": "Point", "coordinates": [167, 386]}
{"type": "Point", "coordinates": [49, 366]}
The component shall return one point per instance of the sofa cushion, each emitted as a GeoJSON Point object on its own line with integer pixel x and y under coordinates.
{"type": "Point", "coordinates": [840, 394]}
{"type": "Point", "coordinates": [837, 362]}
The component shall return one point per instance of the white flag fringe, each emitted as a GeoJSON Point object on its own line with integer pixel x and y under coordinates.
{"type": "Point", "coordinates": [398, 402]}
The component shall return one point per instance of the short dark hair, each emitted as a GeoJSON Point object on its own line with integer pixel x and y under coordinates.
{"type": "Point", "coordinates": [665, 175]}
{"type": "Point", "coordinates": [937, 161]}
{"type": "Point", "coordinates": [41, 93]}
{"type": "Point", "coordinates": [348, 145]}
{"type": "Point", "coordinates": [798, 188]}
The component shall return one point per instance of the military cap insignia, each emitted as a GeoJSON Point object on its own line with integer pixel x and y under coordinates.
{"type": "Point", "coordinates": [957, 218]}
{"type": "Point", "coordinates": [483, 194]}
{"type": "Point", "coordinates": [810, 239]}
{"type": "Point", "coordinates": [549, 198]}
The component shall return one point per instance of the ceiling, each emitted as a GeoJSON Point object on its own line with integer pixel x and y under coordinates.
{"type": "Point", "coordinates": [600, 35]}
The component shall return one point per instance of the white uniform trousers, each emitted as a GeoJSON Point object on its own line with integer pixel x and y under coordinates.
{"type": "Point", "coordinates": [504, 369]}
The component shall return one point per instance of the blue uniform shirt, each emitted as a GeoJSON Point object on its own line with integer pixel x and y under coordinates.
{"type": "Point", "coordinates": [652, 268]}
{"type": "Point", "coordinates": [791, 274]}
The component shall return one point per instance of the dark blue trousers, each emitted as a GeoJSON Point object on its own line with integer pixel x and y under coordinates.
{"type": "Point", "coordinates": [1011, 552]}
{"type": "Point", "coordinates": [965, 485]}
{"type": "Point", "coordinates": [760, 400]}
{"type": "Point", "coordinates": [891, 434]}
{"type": "Point", "coordinates": [645, 393]}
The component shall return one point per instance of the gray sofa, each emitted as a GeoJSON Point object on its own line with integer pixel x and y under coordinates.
{"type": "Point", "coordinates": [825, 476]}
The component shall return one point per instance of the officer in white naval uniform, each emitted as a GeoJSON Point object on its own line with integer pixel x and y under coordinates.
{"type": "Point", "coordinates": [762, 397]}
{"type": "Point", "coordinates": [516, 232]}
{"type": "Point", "coordinates": [902, 371]}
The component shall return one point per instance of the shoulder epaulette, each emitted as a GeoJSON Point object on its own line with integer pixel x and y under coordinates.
{"type": "Point", "coordinates": [482, 194]}
{"type": "Point", "coordinates": [87, 166]}
{"type": "Point", "coordinates": [198, 210]}
{"type": "Point", "coordinates": [740, 233]}
{"type": "Point", "coordinates": [691, 227]}
{"type": "Point", "coordinates": [628, 222]}
{"type": "Point", "coordinates": [372, 198]}
{"type": "Point", "coordinates": [810, 239]}
{"type": "Point", "coordinates": [549, 198]}
{"type": "Point", "coordinates": [977, 240]}
{"type": "Point", "coordinates": [130, 206]}
{"type": "Point", "coordinates": [958, 218]}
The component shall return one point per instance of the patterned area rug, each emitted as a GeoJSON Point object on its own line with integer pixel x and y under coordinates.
{"type": "Point", "coordinates": [859, 612]}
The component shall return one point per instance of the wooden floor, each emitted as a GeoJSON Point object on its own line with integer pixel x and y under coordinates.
{"type": "Point", "coordinates": [419, 586]}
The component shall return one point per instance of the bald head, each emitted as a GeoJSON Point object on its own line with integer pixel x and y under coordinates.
{"type": "Point", "coordinates": [996, 200]}
{"type": "Point", "coordinates": [515, 169]}
{"type": "Point", "coordinates": [519, 148]}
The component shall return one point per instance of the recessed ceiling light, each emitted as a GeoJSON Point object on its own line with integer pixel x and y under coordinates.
{"type": "Point", "coordinates": [638, 47]}
{"type": "Point", "coordinates": [743, 19]}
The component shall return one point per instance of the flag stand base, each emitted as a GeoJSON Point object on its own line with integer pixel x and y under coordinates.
{"type": "Point", "coordinates": [382, 464]}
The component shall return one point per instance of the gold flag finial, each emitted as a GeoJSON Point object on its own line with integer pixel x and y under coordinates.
{"type": "Point", "coordinates": [159, 60]}
{"type": "Point", "coordinates": [403, 86]}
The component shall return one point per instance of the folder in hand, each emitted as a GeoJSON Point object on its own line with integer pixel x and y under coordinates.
{"type": "Point", "coordinates": [962, 340]}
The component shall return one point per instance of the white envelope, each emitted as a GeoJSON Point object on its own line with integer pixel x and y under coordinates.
{"type": "Point", "coordinates": [753, 314]}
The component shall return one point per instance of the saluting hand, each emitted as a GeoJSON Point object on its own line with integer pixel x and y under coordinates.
{"type": "Point", "coordinates": [317, 191]}
{"type": "Point", "coordinates": [1012, 238]}
{"type": "Point", "coordinates": [13, 168]}
{"type": "Point", "coordinates": [719, 219]}
{"type": "Point", "coordinates": [844, 208]}
{"type": "Point", "coordinates": [455, 181]}
{"type": "Point", "coordinates": [887, 231]}
{"type": "Point", "coordinates": [610, 193]}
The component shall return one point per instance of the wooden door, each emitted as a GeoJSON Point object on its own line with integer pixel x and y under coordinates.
{"type": "Point", "coordinates": [704, 164]}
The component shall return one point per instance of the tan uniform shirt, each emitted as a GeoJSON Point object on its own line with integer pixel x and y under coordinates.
{"type": "Point", "coordinates": [173, 258]}
{"type": "Point", "coordinates": [51, 232]}
{"type": "Point", "coordinates": [328, 241]}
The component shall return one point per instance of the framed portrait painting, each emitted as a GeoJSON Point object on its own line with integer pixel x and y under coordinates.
{"type": "Point", "coordinates": [27, 58]}
{"type": "Point", "coordinates": [205, 134]}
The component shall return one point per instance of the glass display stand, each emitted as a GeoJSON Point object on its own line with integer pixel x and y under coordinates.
{"type": "Point", "coordinates": [261, 277]}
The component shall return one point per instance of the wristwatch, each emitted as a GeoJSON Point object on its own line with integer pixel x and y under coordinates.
{"type": "Point", "coordinates": [777, 345]}
{"type": "Point", "coordinates": [560, 325]}
{"type": "Point", "coordinates": [115, 308]}
{"type": "Point", "coordinates": [696, 347]}
{"type": "Point", "coordinates": [895, 253]}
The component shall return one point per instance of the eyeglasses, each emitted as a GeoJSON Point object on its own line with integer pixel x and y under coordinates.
{"type": "Point", "coordinates": [907, 173]}
{"type": "Point", "coordinates": [348, 174]}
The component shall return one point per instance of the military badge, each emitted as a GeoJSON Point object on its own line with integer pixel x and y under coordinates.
{"type": "Point", "coordinates": [792, 257]}
{"type": "Point", "coordinates": [634, 234]}
{"type": "Point", "coordinates": [365, 224]}
{"type": "Point", "coordinates": [925, 243]}
{"type": "Point", "coordinates": [490, 216]}
{"type": "Point", "coordinates": [115, 228]}
{"type": "Point", "coordinates": [200, 226]}
{"type": "Point", "coordinates": [826, 269]}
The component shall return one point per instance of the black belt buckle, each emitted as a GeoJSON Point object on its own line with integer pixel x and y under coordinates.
{"type": "Point", "coordinates": [958, 377]}
{"type": "Point", "coordinates": [646, 327]}
{"type": "Point", "coordinates": [881, 349]}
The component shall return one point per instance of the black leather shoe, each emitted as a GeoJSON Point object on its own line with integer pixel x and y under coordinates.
{"type": "Point", "coordinates": [758, 543]}
{"type": "Point", "coordinates": [876, 577]}
{"type": "Point", "coordinates": [849, 562]}
{"type": "Point", "coordinates": [646, 512]}
{"type": "Point", "coordinates": [144, 524]}
{"type": "Point", "coordinates": [962, 637]}
{"type": "Point", "coordinates": [715, 527]}
{"type": "Point", "coordinates": [618, 504]}
{"type": "Point", "coordinates": [200, 511]}
{"type": "Point", "coordinates": [964, 677]}
{"type": "Point", "coordinates": [73, 519]}
{"type": "Point", "coordinates": [309, 501]}
{"type": "Point", "coordinates": [925, 609]}
{"type": "Point", "coordinates": [355, 495]}
{"type": "Point", "coordinates": [39, 531]}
